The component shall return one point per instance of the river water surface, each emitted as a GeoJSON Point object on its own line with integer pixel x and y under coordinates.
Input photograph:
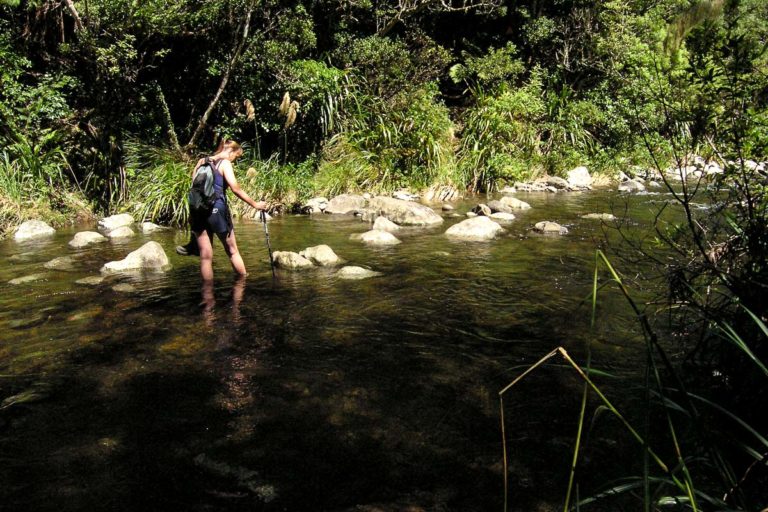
{"type": "Point", "coordinates": [308, 392]}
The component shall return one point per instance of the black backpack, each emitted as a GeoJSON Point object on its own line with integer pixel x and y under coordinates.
{"type": "Point", "coordinates": [202, 194]}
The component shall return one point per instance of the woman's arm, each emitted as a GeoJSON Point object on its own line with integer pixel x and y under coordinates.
{"type": "Point", "coordinates": [229, 174]}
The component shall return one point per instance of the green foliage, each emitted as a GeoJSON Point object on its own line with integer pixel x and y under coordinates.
{"type": "Point", "coordinates": [157, 181]}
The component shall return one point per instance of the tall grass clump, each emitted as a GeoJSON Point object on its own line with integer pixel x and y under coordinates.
{"type": "Point", "coordinates": [281, 185]}
{"type": "Point", "coordinates": [695, 451]}
{"type": "Point", "coordinates": [406, 141]}
{"type": "Point", "coordinates": [157, 182]}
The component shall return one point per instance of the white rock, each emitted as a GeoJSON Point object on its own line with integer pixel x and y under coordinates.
{"type": "Point", "coordinates": [27, 279]}
{"type": "Point", "coordinates": [405, 195]}
{"type": "Point", "coordinates": [149, 256]}
{"type": "Point", "coordinates": [503, 216]}
{"type": "Point", "coordinates": [90, 280]}
{"type": "Point", "coordinates": [579, 177]}
{"type": "Point", "coordinates": [514, 203]}
{"type": "Point", "coordinates": [405, 213]}
{"type": "Point", "coordinates": [292, 260]}
{"type": "Point", "coordinates": [384, 224]}
{"type": "Point", "coordinates": [316, 205]}
{"type": "Point", "coordinates": [376, 237]}
{"type": "Point", "coordinates": [121, 232]}
{"type": "Point", "coordinates": [116, 221]}
{"type": "Point", "coordinates": [321, 255]}
{"type": "Point", "coordinates": [150, 227]}
{"type": "Point", "coordinates": [631, 186]}
{"type": "Point", "coordinates": [352, 272]}
{"type": "Point", "coordinates": [550, 228]}
{"type": "Point", "coordinates": [477, 228]}
{"type": "Point", "coordinates": [346, 203]}
{"type": "Point", "coordinates": [85, 238]}
{"type": "Point", "coordinates": [599, 216]}
{"type": "Point", "coordinates": [33, 229]}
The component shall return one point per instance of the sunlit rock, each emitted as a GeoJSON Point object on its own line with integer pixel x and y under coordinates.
{"type": "Point", "coordinates": [150, 227]}
{"type": "Point", "coordinates": [599, 216]}
{"type": "Point", "coordinates": [405, 213]}
{"type": "Point", "coordinates": [376, 237]}
{"type": "Point", "coordinates": [502, 217]}
{"type": "Point", "coordinates": [90, 280]}
{"type": "Point", "coordinates": [405, 195]}
{"type": "Point", "coordinates": [353, 272]}
{"type": "Point", "coordinates": [61, 263]}
{"type": "Point", "coordinates": [121, 232]}
{"type": "Point", "coordinates": [291, 260]}
{"type": "Point", "coordinates": [557, 182]}
{"type": "Point", "coordinates": [85, 238]}
{"type": "Point", "coordinates": [579, 178]}
{"type": "Point", "coordinates": [346, 204]}
{"type": "Point", "coordinates": [631, 186]}
{"type": "Point", "coordinates": [116, 221]}
{"type": "Point", "coordinates": [384, 224]}
{"type": "Point", "coordinates": [514, 203]}
{"type": "Point", "coordinates": [316, 205]}
{"type": "Point", "coordinates": [32, 229]}
{"type": "Point", "coordinates": [149, 256]}
{"type": "Point", "coordinates": [482, 209]}
{"type": "Point", "coordinates": [27, 279]}
{"type": "Point", "coordinates": [321, 255]}
{"type": "Point", "coordinates": [477, 228]}
{"type": "Point", "coordinates": [550, 228]}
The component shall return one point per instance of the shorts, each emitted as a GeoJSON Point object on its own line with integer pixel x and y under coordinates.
{"type": "Point", "coordinates": [218, 221]}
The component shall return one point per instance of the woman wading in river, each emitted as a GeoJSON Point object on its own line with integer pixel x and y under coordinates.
{"type": "Point", "coordinates": [219, 220]}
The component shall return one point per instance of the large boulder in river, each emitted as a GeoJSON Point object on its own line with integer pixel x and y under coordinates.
{"type": "Point", "coordinates": [33, 229]}
{"type": "Point", "coordinates": [476, 228]}
{"type": "Point", "coordinates": [405, 213]}
{"type": "Point", "coordinates": [316, 205]}
{"type": "Point", "coordinates": [85, 238]}
{"type": "Point", "coordinates": [150, 227]}
{"type": "Point", "coordinates": [292, 260]}
{"type": "Point", "coordinates": [149, 256]}
{"type": "Point", "coordinates": [321, 255]}
{"type": "Point", "coordinates": [121, 232]}
{"type": "Point", "coordinates": [116, 221]}
{"type": "Point", "coordinates": [557, 182]}
{"type": "Point", "coordinates": [579, 177]}
{"type": "Point", "coordinates": [631, 186]}
{"type": "Point", "coordinates": [345, 204]}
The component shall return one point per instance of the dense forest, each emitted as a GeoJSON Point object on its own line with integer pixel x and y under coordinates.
{"type": "Point", "coordinates": [106, 104]}
{"type": "Point", "coordinates": [103, 103]}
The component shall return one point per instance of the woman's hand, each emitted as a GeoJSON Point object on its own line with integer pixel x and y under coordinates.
{"type": "Point", "coordinates": [260, 205]}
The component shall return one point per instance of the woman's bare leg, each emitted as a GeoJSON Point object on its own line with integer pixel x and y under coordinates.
{"type": "Point", "coordinates": [206, 256]}
{"type": "Point", "coordinates": [230, 246]}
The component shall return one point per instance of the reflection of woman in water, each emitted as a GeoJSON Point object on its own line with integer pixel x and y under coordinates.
{"type": "Point", "coordinates": [209, 303]}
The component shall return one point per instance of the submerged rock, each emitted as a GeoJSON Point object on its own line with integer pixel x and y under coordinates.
{"type": "Point", "coordinates": [599, 216]}
{"type": "Point", "coordinates": [32, 229]}
{"type": "Point", "coordinates": [321, 255]}
{"type": "Point", "coordinates": [91, 280]}
{"type": "Point", "coordinates": [405, 213]}
{"type": "Point", "coordinates": [85, 238]}
{"type": "Point", "coordinates": [61, 263]}
{"type": "Point", "coordinates": [27, 279]}
{"type": "Point", "coordinates": [353, 272]}
{"type": "Point", "coordinates": [116, 221]}
{"type": "Point", "coordinates": [549, 227]}
{"type": "Point", "coordinates": [124, 288]}
{"type": "Point", "coordinates": [291, 260]}
{"type": "Point", "coordinates": [475, 229]}
{"type": "Point", "coordinates": [149, 256]}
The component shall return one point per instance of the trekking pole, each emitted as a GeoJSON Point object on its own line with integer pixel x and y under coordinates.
{"type": "Point", "coordinates": [263, 216]}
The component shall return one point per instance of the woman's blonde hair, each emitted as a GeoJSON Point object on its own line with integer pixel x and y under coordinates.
{"type": "Point", "coordinates": [229, 144]}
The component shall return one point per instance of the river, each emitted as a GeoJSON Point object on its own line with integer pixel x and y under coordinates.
{"type": "Point", "coordinates": [307, 392]}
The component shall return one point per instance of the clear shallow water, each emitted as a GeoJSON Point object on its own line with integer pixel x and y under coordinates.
{"type": "Point", "coordinates": [307, 392]}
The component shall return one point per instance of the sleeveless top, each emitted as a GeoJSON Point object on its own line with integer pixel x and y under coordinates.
{"type": "Point", "coordinates": [220, 186]}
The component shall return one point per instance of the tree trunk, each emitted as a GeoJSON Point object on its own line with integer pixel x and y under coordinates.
{"type": "Point", "coordinates": [79, 27]}
{"type": "Point", "coordinates": [224, 80]}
